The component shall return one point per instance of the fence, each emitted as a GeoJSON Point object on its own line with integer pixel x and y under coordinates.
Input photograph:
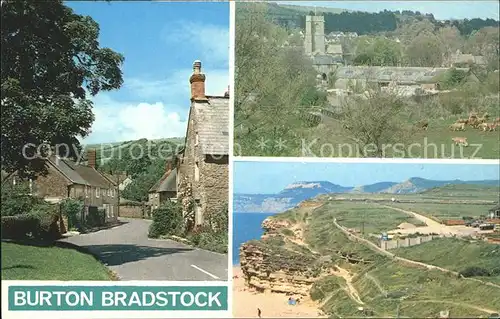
{"type": "Point", "coordinates": [406, 242]}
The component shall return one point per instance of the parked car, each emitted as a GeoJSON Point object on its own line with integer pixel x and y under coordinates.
{"type": "Point", "coordinates": [476, 223]}
{"type": "Point", "coordinates": [494, 316]}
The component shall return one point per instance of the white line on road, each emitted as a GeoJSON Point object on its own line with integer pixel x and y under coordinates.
{"type": "Point", "coordinates": [204, 271]}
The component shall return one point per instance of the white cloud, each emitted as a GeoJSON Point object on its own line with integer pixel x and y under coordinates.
{"type": "Point", "coordinates": [161, 111]}
{"type": "Point", "coordinates": [123, 121]}
{"type": "Point", "coordinates": [212, 41]}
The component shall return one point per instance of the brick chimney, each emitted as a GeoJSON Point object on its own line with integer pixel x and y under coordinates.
{"type": "Point", "coordinates": [91, 157]}
{"type": "Point", "coordinates": [197, 81]}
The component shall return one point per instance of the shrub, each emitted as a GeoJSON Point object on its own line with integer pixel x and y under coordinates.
{"type": "Point", "coordinates": [474, 272]}
{"type": "Point", "coordinates": [20, 226]}
{"type": "Point", "coordinates": [72, 209]}
{"type": "Point", "coordinates": [16, 199]}
{"type": "Point", "coordinates": [96, 217]}
{"type": "Point", "coordinates": [167, 220]}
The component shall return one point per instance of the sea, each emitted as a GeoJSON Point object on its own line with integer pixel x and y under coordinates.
{"type": "Point", "coordinates": [246, 226]}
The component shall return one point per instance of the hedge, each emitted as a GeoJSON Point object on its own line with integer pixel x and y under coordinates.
{"type": "Point", "coordinates": [31, 226]}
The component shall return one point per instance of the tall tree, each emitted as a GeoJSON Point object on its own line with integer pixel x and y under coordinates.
{"type": "Point", "coordinates": [425, 50]}
{"type": "Point", "coordinates": [51, 63]}
{"type": "Point", "coordinates": [270, 82]}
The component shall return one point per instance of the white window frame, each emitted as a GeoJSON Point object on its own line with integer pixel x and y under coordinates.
{"type": "Point", "coordinates": [87, 189]}
{"type": "Point", "coordinates": [112, 213]}
{"type": "Point", "coordinates": [196, 171]}
{"type": "Point", "coordinates": [113, 192]}
{"type": "Point", "coordinates": [97, 192]}
{"type": "Point", "coordinates": [107, 210]}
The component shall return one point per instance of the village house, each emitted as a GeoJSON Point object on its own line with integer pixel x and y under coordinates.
{"type": "Point", "coordinates": [494, 212]}
{"type": "Point", "coordinates": [202, 168]}
{"type": "Point", "coordinates": [417, 77]}
{"type": "Point", "coordinates": [165, 188]}
{"type": "Point", "coordinates": [67, 179]}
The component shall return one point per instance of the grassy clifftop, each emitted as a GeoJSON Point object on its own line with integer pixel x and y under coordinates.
{"type": "Point", "coordinates": [346, 274]}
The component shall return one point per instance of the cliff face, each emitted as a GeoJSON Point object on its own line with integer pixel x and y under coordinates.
{"type": "Point", "coordinates": [277, 264]}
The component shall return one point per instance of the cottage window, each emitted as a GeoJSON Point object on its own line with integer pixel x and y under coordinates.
{"type": "Point", "coordinates": [198, 214]}
{"type": "Point", "coordinates": [196, 172]}
{"type": "Point", "coordinates": [112, 213]}
{"type": "Point", "coordinates": [97, 192]}
{"type": "Point", "coordinates": [107, 209]}
{"type": "Point", "coordinates": [86, 191]}
{"type": "Point", "coordinates": [113, 192]}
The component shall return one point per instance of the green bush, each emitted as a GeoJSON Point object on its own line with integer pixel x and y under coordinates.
{"type": "Point", "coordinates": [324, 286]}
{"type": "Point", "coordinates": [210, 240]}
{"type": "Point", "coordinates": [72, 209]}
{"type": "Point", "coordinates": [38, 226]}
{"type": "Point", "coordinates": [167, 220]}
{"type": "Point", "coordinates": [16, 199]}
{"type": "Point", "coordinates": [96, 217]}
{"type": "Point", "coordinates": [20, 226]}
{"type": "Point", "coordinates": [474, 272]}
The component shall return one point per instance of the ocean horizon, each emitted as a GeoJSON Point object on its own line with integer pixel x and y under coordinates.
{"type": "Point", "coordinates": [246, 226]}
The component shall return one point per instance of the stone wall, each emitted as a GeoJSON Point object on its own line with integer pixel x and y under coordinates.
{"type": "Point", "coordinates": [214, 180]}
{"type": "Point", "coordinates": [131, 211]}
{"type": "Point", "coordinates": [406, 242]}
{"type": "Point", "coordinates": [51, 185]}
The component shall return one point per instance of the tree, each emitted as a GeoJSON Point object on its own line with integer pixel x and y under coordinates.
{"type": "Point", "coordinates": [486, 42]}
{"type": "Point", "coordinates": [51, 63]}
{"type": "Point", "coordinates": [270, 83]}
{"type": "Point", "coordinates": [374, 120]}
{"type": "Point", "coordinates": [425, 50]}
{"type": "Point", "coordinates": [451, 40]}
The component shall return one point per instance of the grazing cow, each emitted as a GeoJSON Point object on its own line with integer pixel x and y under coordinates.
{"type": "Point", "coordinates": [424, 124]}
{"type": "Point", "coordinates": [488, 127]}
{"type": "Point", "coordinates": [460, 141]}
{"type": "Point", "coordinates": [457, 127]}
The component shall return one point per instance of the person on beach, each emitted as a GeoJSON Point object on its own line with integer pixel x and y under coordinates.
{"type": "Point", "coordinates": [259, 313]}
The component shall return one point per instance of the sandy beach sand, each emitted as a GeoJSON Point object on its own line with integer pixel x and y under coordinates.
{"type": "Point", "coordinates": [272, 305]}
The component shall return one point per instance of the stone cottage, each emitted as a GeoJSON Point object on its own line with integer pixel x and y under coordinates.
{"type": "Point", "coordinates": [202, 168]}
{"type": "Point", "coordinates": [165, 188]}
{"type": "Point", "coordinates": [67, 179]}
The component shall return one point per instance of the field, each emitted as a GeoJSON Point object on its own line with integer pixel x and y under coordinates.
{"type": "Point", "coordinates": [388, 288]}
{"type": "Point", "coordinates": [456, 254]}
{"type": "Point", "coordinates": [434, 143]}
{"type": "Point", "coordinates": [369, 218]}
{"type": "Point", "coordinates": [108, 150]}
{"type": "Point", "coordinates": [20, 262]}
{"type": "Point", "coordinates": [445, 211]}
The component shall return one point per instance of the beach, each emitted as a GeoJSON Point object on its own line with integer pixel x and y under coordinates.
{"type": "Point", "coordinates": [272, 305]}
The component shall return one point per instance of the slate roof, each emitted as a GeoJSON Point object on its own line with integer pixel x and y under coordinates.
{"type": "Point", "coordinates": [167, 183]}
{"type": "Point", "coordinates": [213, 125]}
{"type": "Point", "coordinates": [334, 49]}
{"type": "Point", "coordinates": [79, 174]}
{"type": "Point", "coordinates": [494, 208]}
{"type": "Point", "coordinates": [324, 60]}
{"type": "Point", "coordinates": [379, 73]}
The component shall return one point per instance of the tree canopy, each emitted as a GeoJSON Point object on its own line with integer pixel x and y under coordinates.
{"type": "Point", "coordinates": [51, 64]}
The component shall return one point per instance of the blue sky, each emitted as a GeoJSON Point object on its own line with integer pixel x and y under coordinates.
{"type": "Point", "coordinates": [442, 10]}
{"type": "Point", "coordinates": [272, 177]}
{"type": "Point", "coordinates": [160, 41]}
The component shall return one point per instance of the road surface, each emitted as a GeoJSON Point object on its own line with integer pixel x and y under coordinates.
{"type": "Point", "coordinates": [127, 251]}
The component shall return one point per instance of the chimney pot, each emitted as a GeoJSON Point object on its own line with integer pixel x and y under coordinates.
{"type": "Point", "coordinates": [91, 157]}
{"type": "Point", "coordinates": [197, 81]}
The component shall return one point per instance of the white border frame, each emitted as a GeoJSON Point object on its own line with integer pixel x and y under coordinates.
{"type": "Point", "coordinates": [110, 313]}
{"type": "Point", "coordinates": [232, 36]}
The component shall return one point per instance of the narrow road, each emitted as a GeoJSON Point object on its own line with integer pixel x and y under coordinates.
{"type": "Point", "coordinates": [127, 250]}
